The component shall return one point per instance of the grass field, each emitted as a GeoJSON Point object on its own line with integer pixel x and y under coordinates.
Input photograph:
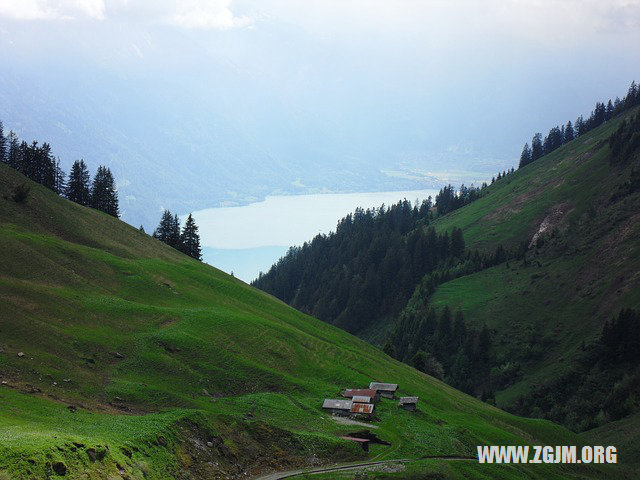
{"type": "Point", "coordinates": [138, 362]}
{"type": "Point", "coordinates": [544, 310]}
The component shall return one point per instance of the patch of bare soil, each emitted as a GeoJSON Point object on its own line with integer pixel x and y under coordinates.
{"type": "Point", "coordinates": [168, 321]}
{"type": "Point", "coordinates": [554, 218]}
{"type": "Point", "coordinates": [518, 202]}
{"type": "Point", "coordinates": [348, 421]}
{"type": "Point", "coordinates": [584, 157]}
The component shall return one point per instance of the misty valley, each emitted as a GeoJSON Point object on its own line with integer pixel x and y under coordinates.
{"type": "Point", "coordinates": [389, 240]}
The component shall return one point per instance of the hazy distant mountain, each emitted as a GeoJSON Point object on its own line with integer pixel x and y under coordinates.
{"type": "Point", "coordinates": [169, 147]}
{"type": "Point", "coordinates": [189, 120]}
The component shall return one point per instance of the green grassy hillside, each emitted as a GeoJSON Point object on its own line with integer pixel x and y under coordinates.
{"type": "Point", "coordinates": [586, 268]}
{"type": "Point", "coordinates": [122, 358]}
{"type": "Point", "coordinates": [625, 434]}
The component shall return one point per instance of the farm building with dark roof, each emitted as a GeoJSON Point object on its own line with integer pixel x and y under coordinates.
{"type": "Point", "coordinates": [337, 407]}
{"type": "Point", "coordinates": [364, 392]}
{"type": "Point", "coordinates": [408, 403]}
{"type": "Point", "coordinates": [387, 390]}
{"type": "Point", "coordinates": [365, 409]}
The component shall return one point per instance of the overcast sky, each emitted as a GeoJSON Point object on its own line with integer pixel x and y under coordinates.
{"type": "Point", "coordinates": [409, 80]}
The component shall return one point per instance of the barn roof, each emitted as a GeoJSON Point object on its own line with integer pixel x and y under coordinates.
{"type": "Point", "coordinates": [384, 387]}
{"type": "Point", "coordinates": [408, 400]}
{"type": "Point", "coordinates": [362, 408]}
{"type": "Point", "coordinates": [365, 392]}
{"type": "Point", "coordinates": [361, 399]}
{"type": "Point", "coordinates": [337, 404]}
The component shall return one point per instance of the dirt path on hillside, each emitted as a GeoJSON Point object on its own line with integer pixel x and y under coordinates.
{"type": "Point", "coordinates": [354, 466]}
{"type": "Point", "coordinates": [348, 421]}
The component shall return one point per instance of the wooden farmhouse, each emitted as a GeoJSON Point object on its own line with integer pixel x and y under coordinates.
{"type": "Point", "coordinates": [365, 392]}
{"type": "Point", "coordinates": [408, 403]}
{"type": "Point", "coordinates": [338, 407]}
{"type": "Point", "coordinates": [386, 390]}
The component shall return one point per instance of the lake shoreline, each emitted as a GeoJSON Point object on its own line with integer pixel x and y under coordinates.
{"type": "Point", "coordinates": [250, 238]}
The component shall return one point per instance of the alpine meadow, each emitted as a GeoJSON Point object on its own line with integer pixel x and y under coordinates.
{"type": "Point", "coordinates": [199, 278]}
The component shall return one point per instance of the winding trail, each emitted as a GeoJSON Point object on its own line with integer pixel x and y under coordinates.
{"type": "Point", "coordinates": [353, 466]}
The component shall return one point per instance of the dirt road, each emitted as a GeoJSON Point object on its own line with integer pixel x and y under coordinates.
{"type": "Point", "coordinates": [335, 468]}
{"type": "Point", "coordinates": [353, 466]}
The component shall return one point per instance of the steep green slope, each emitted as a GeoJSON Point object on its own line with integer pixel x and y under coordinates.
{"type": "Point", "coordinates": [625, 434]}
{"type": "Point", "coordinates": [544, 308]}
{"type": "Point", "coordinates": [121, 358]}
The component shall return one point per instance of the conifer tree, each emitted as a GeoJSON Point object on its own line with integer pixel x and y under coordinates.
{"type": "Point", "coordinates": [389, 348]}
{"type": "Point", "coordinates": [25, 162]}
{"type": "Point", "coordinates": [617, 104]}
{"type": "Point", "coordinates": [190, 240]}
{"type": "Point", "coordinates": [164, 227]}
{"type": "Point", "coordinates": [537, 149]}
{"type": "Point", "coordinates": [553, 140]}
{"type": "Point", "coordinates": [175, 232]}
{"type": "Point", "coordinates": [525, 156]}
{"type": "Point", "coordinates": [457, 242]}
{"type": "Point", "coordinates": [609, 110]}
{"type": "Point", "coordinates": [568, 132]}
{"type": "Point", "coordinates": [44, 166]}
{"type": "Point", "coordinates": [444, 327]}
{"type": "Point", "coordinates": [484, 343]}
{"type": "Point", "coordinates": [3, 146]}
{"type": "Point", "coordinates": [60, 185]}
{"type": "Point", "coordinates": [168, 230]}
{"type": "Point", "coordinates": [598, 116]}
{"type": "Point", "coordinates": [78, 187]}
{"type": "Point", "coordinates": [13, 157]}
{"type": "Point", "coordinates": [580, 127]}
{"type": "Point", "coordinates": [419, 360]}
{"type": "Point", "coordinates": [103, 192]}
{"type": "Point", "coordinates": [459, 330]}
{"type": "Point", "coordinates": [633, 95]}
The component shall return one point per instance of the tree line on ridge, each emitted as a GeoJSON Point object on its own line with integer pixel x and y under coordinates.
{"type": "Point", "coordinates": [39, 164]}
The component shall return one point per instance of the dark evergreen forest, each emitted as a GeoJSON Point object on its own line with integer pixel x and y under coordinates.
{"type": "Point", "coordinates": [602, 386]}
{"type": "Point", "coordinates": [366, 271]}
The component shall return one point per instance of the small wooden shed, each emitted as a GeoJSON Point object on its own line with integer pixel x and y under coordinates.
{"type": "Point", "coordinates": [408, 403]}
{"type": "Point", "coordinates": [337, 407]}
{"type": "Point", "coordinates": [387, 390]}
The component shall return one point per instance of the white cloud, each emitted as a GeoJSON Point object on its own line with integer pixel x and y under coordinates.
{"type": "Point", "coordinates": [445, 21]}
{"type": "Point", "coordinates": [207, 14]}
{"type": "Point", "coordinates": [52, 9]}
{"type": "Point", "coordinates": [189, 14]}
